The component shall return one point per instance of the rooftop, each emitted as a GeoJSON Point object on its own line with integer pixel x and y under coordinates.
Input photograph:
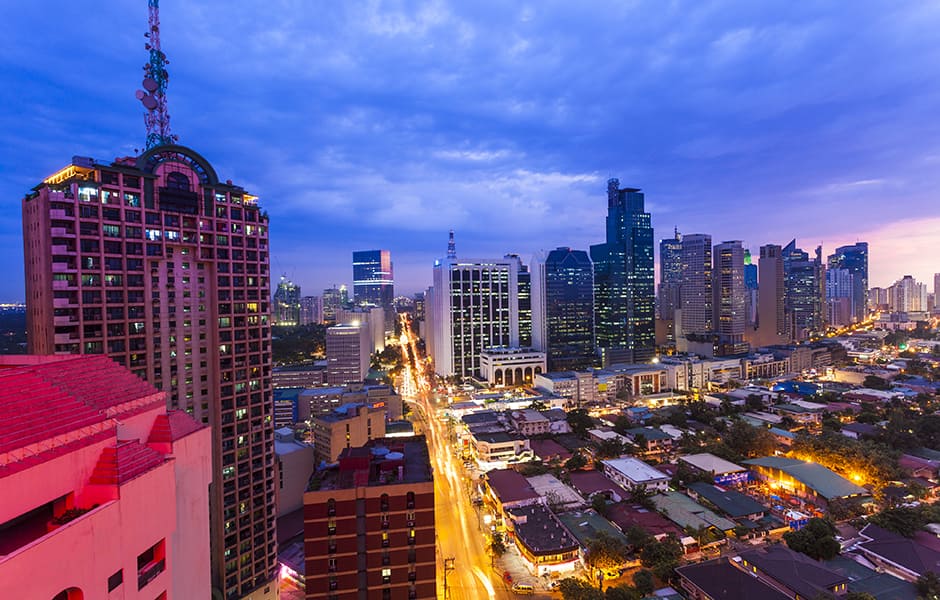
{"type": "Point", "coordinates": [686, 512]}
{"type": "Point", "coordinates": [585, 526]}
{"type": "Point", "coordinates": [510, 486]}
{"type": "Point", "coordinates": [381, 462]}
{"type": "Point", "coordinates": [591, 482]}
{"type": "Point", "coordinates": [800, 573]}
{"type": "Point", "coordinates": [540, 531]}
{"type": "Point", "coordinates": [711, 463]}
{"type": "Point", "coordinates": [649, 433]}
{"type": "Point", "coordinates": [635, 469]}
{"type": "Point", "coordinates": [818, 478]}
{"type": "Point", "coordinates": [731, 502]}
{"type": "Point", "coordinates": [908, 553]}
{"type": "Point", "coordinates": [628, 515]}
{"type": "Point", "coordinates": [721, 580]}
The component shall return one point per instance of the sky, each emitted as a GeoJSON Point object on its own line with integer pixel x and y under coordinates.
{"type": "Point", "coordinates": [373, 124]}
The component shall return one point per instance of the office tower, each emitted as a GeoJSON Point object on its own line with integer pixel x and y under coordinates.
{"type": "Point", "coordinates": [804, 292]}
{"type": "Point", "coordinates": [840, 297]}
{"type": "Point", "coordinates": [311, 310]}
{"type": "Point", "coordinates": [907, 295]}
{"type": "Point", "coordinates": [163, 267]}
{"type": "Point", "coordinates": [624, 296]}
{"type": "Point", "coordinates": [332, 299]}
{"type": "Point", "coordinates": [730, 298]}
{"type": "Point", "coordinates": [936, 286]}
{"type": "Point", "coordinates": [373, 279]}
{"type": "Point", "coordinates": [670, 275]}
{"type": "Point", "coordinates": [347, 353]}
{"type": "Point", "coordinates": [698, 311]}
{"type": "Point", "coordinates": [287, 303]}
{"type": "Point", "coordinates": [472, 305]}
{"type": "Point", "coordinates": [105, 491]}
{"type": "Point", "coordinates": [563, 308]}
{"type": "Point", "coordinates": [854, 259]}
{"type": "Point", "coordinates": [750, 285]}
{"type": "Point", "coordinates": [771, 315]}
{"type": "Point", "coordinates": [524, 295]}
{"type": "Point", "coordinates": [369, 528]}
{"type": "Point", "coordinates": [372, 317]}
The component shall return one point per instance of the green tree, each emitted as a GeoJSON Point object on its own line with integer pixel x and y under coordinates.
{"type": "Point", "coordinates": [662, 557]}
{"type": "Point", "coordinates": [749, 441]}
{"type": "Point", "coordinates": [816, 540]}
{"type": "Point", "coordinates": [498, 544]}
{"type": "Point", "coordinates": [604, 553]}
{"type": "Point", "coordinates": [609, 448]}
{"type": "Point", "coordinates": [928, 586]}
{"type": "Point", "coordinates": [876, 383]}
{"type": "Point", "coordinates": [576, 462]}
{"type": "Point", "coordinates": [859, 596]}
{"type": "Point", "coordinates": [538, 405]}
{"type": "Point", "coordinates": [637, 537]}
{"type": "Point", "coordinates": [599, 503]}
{"type": "Point", "coordinates": [903, 520]}
{"type": "Point", "coordinates": [643, 582]}
{"type": "Point", "coordinates": [622, 592]}
{"type": "Point", "coordinates": [580, 421]}
{"type": "Point", "coordinates": [573, 588]}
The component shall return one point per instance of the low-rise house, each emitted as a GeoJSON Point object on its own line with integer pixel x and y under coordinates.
{"type": "Point", "coordinates": [903, 557]}
{"type": "Point", "coordinates": [602, 435]}
{"type": "Point", "coordinates": [860, 430]}
{"type": "Point", "coordinates": [557, 420]}
{"type": "Point", "coordinates": [649, 439]}
{"type": "Point", "coordinates": [625, 516]}
{"type": "Point", "coordinates": [724, 579]}
{"type": "Point", "coordinates": [529, 422]}
{"type": "Point", "coordinates": [499, 449]}
{"type": "Point", "coordinates": [632, 473]}
{"type": "Point", "coordinates": [807, 480]}
{"type": "Point", "coordinates": [589, 483]}
{"type": "Point", "coordinates": [587, 525]}
{"type": "Point", "coordinates": [544, 544]}
{"type": "Point", "coordinates": [549, 451]}
{"type": "Point", "coordinates": [915, 466]}
{"type": "Point", "coordinates": [730, 502]}
{"type": "Point", "coordinates": [783, 437]}
{"type": "Point", "coordinates": [800, 414]}
{"type": "Point", "coordinates": [555, 493]}
{"type": "Point", "coordinates": [508, 488]}
{"type": "Point", "coordinates": [724, 472]}
{"type": "Point", "coordinates": [689, 514]}
{"type": "Point", "coordinates": [796, 574]}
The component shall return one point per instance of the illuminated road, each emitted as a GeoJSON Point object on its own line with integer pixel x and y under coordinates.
{"type": "Point", "coordinates": [458, 533]}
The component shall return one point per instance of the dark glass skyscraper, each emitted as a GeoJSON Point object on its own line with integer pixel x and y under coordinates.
{"type": "Point", "coordinates": [563, 309]}
{"type": "Point", "coordinates": [804, 291]}
{"type": "Point", "coordinates": [854, 259]}
{"type": "Point", "coordinates": [373, 280]}
{"type": "Point", "coordinates": [623, 280]}
{"type": "Point", "coordinates": [670, 275]}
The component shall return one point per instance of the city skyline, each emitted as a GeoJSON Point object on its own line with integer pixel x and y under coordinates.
{"type": "Point", "coordinates": [738, 103]}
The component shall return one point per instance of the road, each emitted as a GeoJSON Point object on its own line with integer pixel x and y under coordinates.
{"type": "Point", "coordinates": [456, 522]}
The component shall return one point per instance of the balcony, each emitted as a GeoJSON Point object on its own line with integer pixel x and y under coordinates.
{"type": "Point", "coordinates": [63, 303]}
{"type": "Point", "coordinates": [66, 338]}
{"type": "Point", "coordinates": [57, 213]}
{"type": "Point", "coordinates": [149, 572]}
{"type": "Point", "coordinates": [58, 267]}
{"type": "Point", "coordinates": [61, 232]}
{"type": "Point", "coordinates": [60, 249]}
{"type": "Point", "coordinates": [64, 320]}
{"type": "Point", "coordinates": [61, 284]}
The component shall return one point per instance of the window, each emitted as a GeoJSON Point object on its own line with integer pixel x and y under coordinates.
{"type": "Point", "coordinates": [331, 565]}
{"type": "Point", "coordinates": [151, 563]}
{"type": "Point", "coordinates": [410, 501]}
{"type": "Point", "coordinates": [384, 539]}
{"type": "Point", "coordinates": [386, 575]}
{"type": "Point", "coordinates": [177, 181]}
{"type": "Point", "coordinates": [115, 580]}
{"type": "Point", "coordinates": [331, 507]}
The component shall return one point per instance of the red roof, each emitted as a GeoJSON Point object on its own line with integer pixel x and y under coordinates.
{"type": "Point", "coordinates": [548, 450]}
{"type": "Point", "coordinates": [626, 515]}
{"type": "Point", "coordinates": [591, 482]}
{"type": "Point", "coordinates": [97, 381]}
{"type": "Point", "coordinates": [124, 461]}
{"type": "Point", "coordinates": [510, 486]}
{"type": "Point", "coordinates": [174, 425]}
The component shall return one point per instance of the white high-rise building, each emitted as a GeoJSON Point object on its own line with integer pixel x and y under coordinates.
{"type": "Point", "coordinates": [696, 294]}
{"type": "Point", "coordinates": [730, 297]}
{"type": "Point", "coordinates": [907, 295]}
{"type": "Point", "coordinates": [472, 305]}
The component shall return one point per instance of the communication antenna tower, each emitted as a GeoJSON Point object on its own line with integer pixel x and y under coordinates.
{"type": "Point", "coordinates": [451, 246]}
{"type": "Point", "coordinates": [153, 96]}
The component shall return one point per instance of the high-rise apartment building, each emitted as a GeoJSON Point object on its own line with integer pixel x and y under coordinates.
{"type": "Point", "coordinates": [332, 299]}
{"type": "Point", "coordinates": [287, 303]}
{"type": "Point", "coordinates": [670, 275]}
{"type": "Point", "coordinates": [311, 310]}
{"type": "Point", "coordinates": [624, 294]}
{"type": "Point", "coordinates": [105, 491]}
{"type": "Point", "coordinates": [730, 298]}
{"type": "Point", "coordinates": [805, 292]}
{"type": "Point", "coordinates": [473, 305]}
{"type": "Point", "coordinates": [347, 353]}
{"type": "Point", "coordinates": [840, 297]}
{"type": "Point", "coordinates": [163, 267]}
{"type": "Point", "coordinates": [372, 317]}
{"type": "Point", "coordinates": [771, 316]}
{"type": "Point", "coordinates": [698, 302]}
{"type": "Point", "coordinates": [369, 527]}
{"type": "Point", "coordinates": [373, 278]}
{"type": "Point", "coordinates": [563, 308]}
{"type": "Point", "coordinates": [907, 295]}
{"type": "Point", "coordinates": [524, 300]}
{"type": "Point", "coordinates": [854, 259]}
{"type": "Point", "coordinates": [750, 285]}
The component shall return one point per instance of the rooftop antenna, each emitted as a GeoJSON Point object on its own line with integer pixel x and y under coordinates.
{"type": "Point", "coordinates": [153, 96]}
{"type": "Point", "coordinates": [451, 246]}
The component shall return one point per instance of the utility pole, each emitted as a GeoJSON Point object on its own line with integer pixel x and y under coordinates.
{"type": "Point", "coordinates": [448, 567]}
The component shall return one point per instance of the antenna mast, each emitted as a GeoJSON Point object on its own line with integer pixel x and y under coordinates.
{"type": "Point", "coordinates": [451, 246]}
{"type": "Point", "coordinates": [153, 96]}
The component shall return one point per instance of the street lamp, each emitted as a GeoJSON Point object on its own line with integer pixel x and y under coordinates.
{"type": "Point", "coordinates": [448, 567]}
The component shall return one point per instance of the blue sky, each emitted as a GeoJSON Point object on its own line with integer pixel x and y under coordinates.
{"type": "Point", "coordinates": [384, 124]}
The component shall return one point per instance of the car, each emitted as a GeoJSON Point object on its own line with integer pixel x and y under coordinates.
{"type": "Point", "coordinates": [523, 589]}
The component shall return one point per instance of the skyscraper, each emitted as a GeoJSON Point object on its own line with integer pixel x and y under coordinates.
{"type": "Point", "coordinates": [840, 297]}
{"type": "Point", "coordinates": [670, 275]}
{"type": "Point", "coordinates": [373, 279]}
{"type": "Point", "coordinates": [163, 267]}
{"type": "Point", "coordinates": [287, 303]}
{"type": "Point", "coordinates": [333, 298]}
{"type": "Point", "coordinates": [698, 312]}
{"type": "Point", "coordinates": [907, 295]}
{"type": "Point", "coordinates": [771, 315]}
{"type": "Point", "coordinates": [854, 259]}
{"type": "Point", "coordinates": [805, 290]}
{"type": "Point", "coordinates": [750, 285]}
{"type": "Point", "coordinates": [730, 298]}
{"type": "Point", "coordinates": [472, 305]}
{"type": "Point", "coordinates": [624, 295]}
{"type": "Point", "coordinates": [563, 308]}
{"type": "Point", "coordinates": [347, 353]}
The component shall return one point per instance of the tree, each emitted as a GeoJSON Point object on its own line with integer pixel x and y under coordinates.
{"type": "Point", "coordinates": [605, 552]}
{"type": "Point", "coordinates": [599, 503]}
{"type": "Point", "coordinates": [497, 544]}
{"type": "Point", "coordinates": [609, 448]}
{"type": "Point", "coordinates": [642, 496]}
{"type": "Point", "coordinates": [754, 402]}
{"type": "Point", "coordinates": [928, 586]}
{"type": "Point", "coordinates": [538, 405]}
{"type": "Point", "coordinates": [637, 537]}
{"type": "Point", "coordinates": [576, 462]}
{"type": "Point", "coordinates": [622, 592]}
{"type": "Point", "coordinates": [816, 540]}
{"type": "Point", "coordinates": [903, 520]}
{"type": "Point", "coordinates": [876, 383]}
{"type": "Point", "coordinates": [643, 582]}
{"type": "Point", "coordinates": [580, 421]}
{"type": "Point", "coordinates": [573, 588]}
{"type": "Point", "coordinates": [662, 557]}
{"type": "Point", "coordinates": [859, 596]}
{"type": "Point", "coordinates": [749, 441]}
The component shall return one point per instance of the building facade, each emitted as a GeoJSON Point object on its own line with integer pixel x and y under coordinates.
{"type": "Point", "coordinates": [698, 309]}
{"type": "Point", "coordinates": [369, 527]}
{"type": "Point", "coordinates": [311, 310]}
{"type": "Point", "coordinates": [563, 308]}
{"type": "Point", "coordinates": [511, 366]}
{"type": "Point", "coordinates": [286, 303]}
{"type": "Point", "coordinates": [105, 491]}
{"type": "Point", "coordinates": [730, 298]}
{"type": "Point", "coordinates": [373, 278]}
{"type": "Point", "coordinates": [347, 353]}
{"type": "Point", "coordinates": [347, 426]}
{"type": "Point", "coordinates": [804, 292]}
{"type": "Point", "coordinates": [624, 294]}
{"type": "Point", "coordinates": [670, 276]}
{"type": "Point", "coordinates": [771, 316]}
{"type": "Point", "coordinates": [854, 259]}
{"type": "Point", "coordinates": [164, 268]}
